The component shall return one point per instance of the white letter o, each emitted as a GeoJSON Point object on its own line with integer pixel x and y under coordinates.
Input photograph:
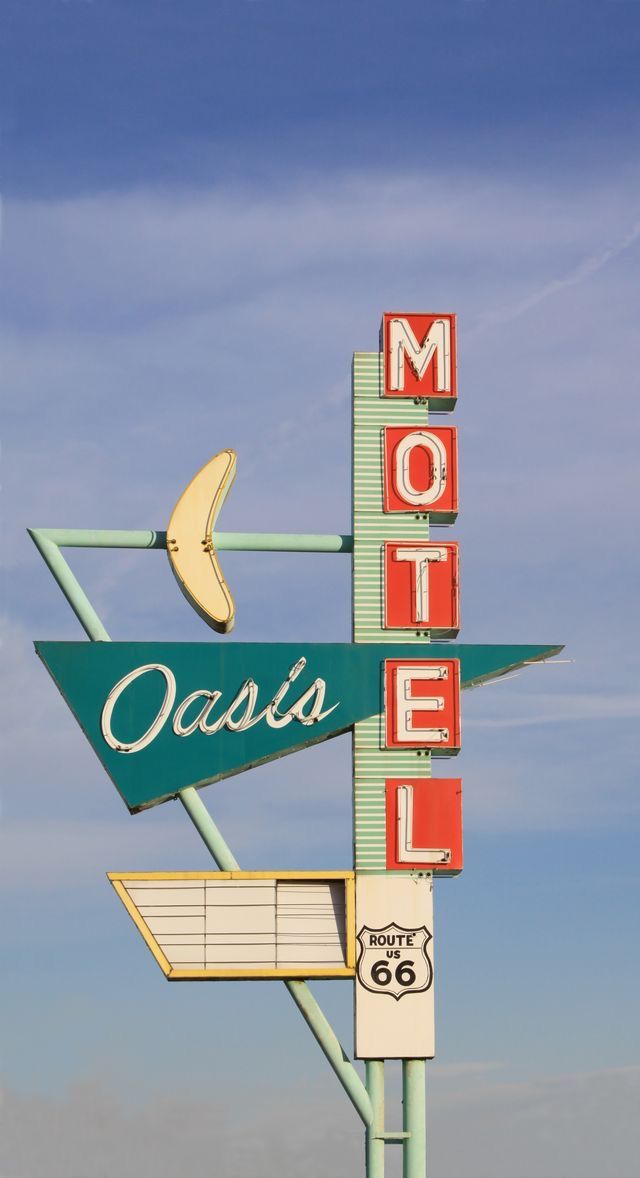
{"type": "Point", "coordinates": [153, 730]}
{"type": "Point", "coordinates": [402, 459]}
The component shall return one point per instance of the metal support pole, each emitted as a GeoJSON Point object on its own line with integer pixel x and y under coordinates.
{"type": "Point", "coordinates": [223, 541]}
{"type": "Point", "coordinates": [414, 1114]}
{"type": "Point", "coordinates": [48, 542]}
{"type": "Point", "coordinates": [374, 1141]}
{"type": "Point", "coordinates": [312, 1014]}
{"type": "Point", "coordinates": [71, 588]}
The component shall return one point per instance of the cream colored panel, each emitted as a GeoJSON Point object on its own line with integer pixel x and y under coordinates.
{"type": "Point", "coordinates": [304, 889]}
{"type": "Point", "coordinates": [247, 919]}
{"type": "Point", "coordinates": [307, 935]}
{"type": "Point", "coordinates": [173, 910]}
{"type": "Point", "coordinates": [159, 925]}
{"type": "Point", "coordinates": [236, 897]}
{"type": "Point", "coordinates": [310, 954]}
{"type": "Point", "coordinates": [162, 897]}
{"type": "Point", "coordinates": [241, 955]}
{"type": "Point", "coordinates": [240, 938]}
{"type": "Point", "coordinates": [394, 977]}
{"type": "Point", "coordinates": [320, 927]}
{"type": "Point", "coordinates": [181, 956]}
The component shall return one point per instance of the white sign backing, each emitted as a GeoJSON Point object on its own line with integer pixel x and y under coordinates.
{"type": "Point", "coordinates": [394, 967]}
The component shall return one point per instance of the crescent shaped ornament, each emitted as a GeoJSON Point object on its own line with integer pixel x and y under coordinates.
{"type": "Point", "coordinates": [190, 542]}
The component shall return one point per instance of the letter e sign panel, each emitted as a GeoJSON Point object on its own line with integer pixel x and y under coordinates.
{"type": "Point", "coordinates": [422, 704]}
{"type": "Point", "coordinates": [421, 471]}
{"type": "Point", "coordinates": [394, 967]}
{"type": "Point", "coordinates": [424, 824]}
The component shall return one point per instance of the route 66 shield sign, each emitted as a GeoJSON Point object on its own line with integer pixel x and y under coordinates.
{"type": "Point", "coordinates": [394, 960]}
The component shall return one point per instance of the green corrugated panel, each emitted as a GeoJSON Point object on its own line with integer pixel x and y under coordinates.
{"type": "Point", "coordinates": [372, 763]}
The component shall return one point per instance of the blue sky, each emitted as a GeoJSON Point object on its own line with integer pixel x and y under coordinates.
{"type": "Point", "coordinates": [175, 179]}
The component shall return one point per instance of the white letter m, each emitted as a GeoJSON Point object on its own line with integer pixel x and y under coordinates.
{"type": "Point", "coordinates": [437, 342]}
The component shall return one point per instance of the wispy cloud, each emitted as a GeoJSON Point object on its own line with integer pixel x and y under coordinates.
{"type": "Point", "coordinates": [585, 1123]}
{"type": "Point", "coordinates": [585, 269]}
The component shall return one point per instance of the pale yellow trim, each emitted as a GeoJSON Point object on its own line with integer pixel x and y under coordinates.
{"type": "Point", "coordinates": [119, 875]}
{"type": "Point", "coordinates": [185, 975]}
{"type": "Point", "coordinates": [350, 919]}
{"type": "Point", "coordinates": [142, 928]}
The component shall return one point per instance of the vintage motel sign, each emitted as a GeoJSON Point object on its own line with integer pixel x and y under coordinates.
{"type": "Point", "coordinates": [405, 587]}
{"type": "Point", "coordinates": [168, 718]}
{"type": "Point", "coordinates": [214, 925]}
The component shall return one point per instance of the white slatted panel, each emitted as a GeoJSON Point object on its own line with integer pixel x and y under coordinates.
{"type": "Point", "coordinates": [244, 924]}
{"type": "Point", "coordinates": [311, 923]}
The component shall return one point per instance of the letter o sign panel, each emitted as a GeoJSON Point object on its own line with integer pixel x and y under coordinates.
{"type": "Point", "coordinates": [421, 471]}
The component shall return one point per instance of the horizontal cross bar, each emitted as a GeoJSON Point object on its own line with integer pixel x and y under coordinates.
{"type": "Point", "coordinates": [223, 541]}
{"type": "Point", "coordinates": [392, 1138]}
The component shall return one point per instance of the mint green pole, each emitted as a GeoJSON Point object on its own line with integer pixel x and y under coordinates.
{"type": "Point", "coordinates": [414, 1116]}
{"type": "Point", "coordinates": [320, 1028]}
{"type": "Point", "coordinates": [73, 591]}
{"type": "Point", "coordinates": [374, 1140]}
{"type": "Point", "coordinates": [223, 541]}
{"type": "Point", "coordinates": [48, 542]}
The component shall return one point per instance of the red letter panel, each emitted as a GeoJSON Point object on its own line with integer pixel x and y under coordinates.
{"type": "Point", "coordinates": [421, 587]}
{"type": "Point", "coordinates": [421, 471]}
{"type": "Point", "coordinates": [422, 704]}
{"type": "Point", "coordinates": [420, 358]}
{"type": "Point", "coordinates": [424, 824]}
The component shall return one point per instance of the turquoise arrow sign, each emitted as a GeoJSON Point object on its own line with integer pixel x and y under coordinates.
{"type": "Point", "coordinates": [163, 716]}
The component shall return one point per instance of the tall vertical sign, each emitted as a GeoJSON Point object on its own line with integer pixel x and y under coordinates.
{"type": "Point", "coordinates": [407, 825]}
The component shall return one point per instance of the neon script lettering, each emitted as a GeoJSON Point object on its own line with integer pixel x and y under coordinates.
{"type": "Point", "coordinates": [194, 713]}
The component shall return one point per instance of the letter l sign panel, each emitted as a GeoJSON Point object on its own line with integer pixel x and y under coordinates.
{"type": "Point", "coordinates": [424, 824]}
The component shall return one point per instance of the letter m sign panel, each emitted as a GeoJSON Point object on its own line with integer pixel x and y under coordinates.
{"type": "Point", "coordinates": [420, 358]}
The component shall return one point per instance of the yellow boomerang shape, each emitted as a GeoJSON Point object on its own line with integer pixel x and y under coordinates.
{"type": "Point", "coordinates": [190, 542]}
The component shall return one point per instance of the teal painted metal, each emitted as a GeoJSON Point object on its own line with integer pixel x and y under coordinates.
{"type": "Point", "coordinates": [71, 588]}
{"type": "Point", "coordinates": [325, 1035]}
{"type": "Point", "coordinates": [414, 1158]}
{"type": "Point", "coordinates": [99, 538]}
{"type": "Point", "coordinates": [86, 673]}
{"type": "Point", "coordinates": [208, 831]}
{"type": "Point", "coordinates": [49, 541]}
{"type": "Point", "coordinates": [302, 996]}
{"type": "Point", "coordinates": [223, 541]}
{"type": "Point", "coordinates": [374, 1140]}
{"type": "Point", "coordinates": [280, 542]}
